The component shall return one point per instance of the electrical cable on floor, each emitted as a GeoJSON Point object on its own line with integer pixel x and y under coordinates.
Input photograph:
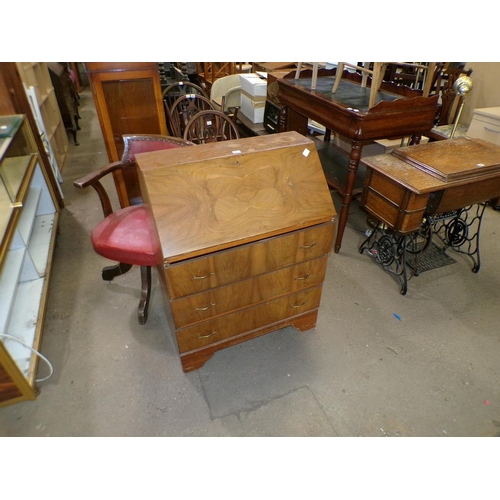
{"type": "Point", "coordinates": [39, 354]}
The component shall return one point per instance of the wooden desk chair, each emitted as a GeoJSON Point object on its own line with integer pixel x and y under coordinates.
{"type": "Point", "coordinates": [184, 108]}
{"type": "Point", "coordinates": [128, 235]}
{"type": "Point", "coordinates": [210, 126]}
{"type": "Point", "coordinates": [176, 90]}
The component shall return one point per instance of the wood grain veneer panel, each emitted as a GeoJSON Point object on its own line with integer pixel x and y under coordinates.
{"type": "Point", "coordinates": [246, 320]}
{"type": "Point", "coordinates": [203, 273]}
{"type": "Point", "coordinates": [206, 305]}
{"type": "Point", "coordinates": [197, 358]}
{"type": "Point", "coordinates": [454, 159]}
{"type": "Point", "coordinates": [211, 197]}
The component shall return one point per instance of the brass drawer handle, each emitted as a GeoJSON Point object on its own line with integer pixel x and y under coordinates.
{"type": "Point", "coordinates": [202, 277]}
{"type": "Point", "coordinates": [302, 277]}
{"type": "Point", "coordinates": [306, 247]}
{"type": "Point", "coordinates": [204, 308]}
{"type": "Point", "coordinates": [207, 335]}
{"type": "Point", "coordinates": [300, 305]}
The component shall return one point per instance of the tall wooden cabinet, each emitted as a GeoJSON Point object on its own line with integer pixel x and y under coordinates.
{"type": "Point", "coordinates": [245, 228]}
{"type": "Point", "coordinates": [28, 222]}
{"type": "Point", "coordinates": [14, 100]}
{"type": "Point", "coordinates": [128, 100]}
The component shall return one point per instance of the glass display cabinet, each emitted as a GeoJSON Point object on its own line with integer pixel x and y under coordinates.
{"type": "Point", "coordinates": [28, 222]}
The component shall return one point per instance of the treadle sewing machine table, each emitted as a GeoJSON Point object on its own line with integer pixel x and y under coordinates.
{"type": "Point", "coordinates": [399, 112]}
{"type": "Point", "coordinates": [435, 189]}
{"type": "Point", "coordinates": [245, 228]}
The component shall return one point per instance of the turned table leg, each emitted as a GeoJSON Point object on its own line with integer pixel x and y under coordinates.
{"type": "Point", "coordinates": [352, 172]}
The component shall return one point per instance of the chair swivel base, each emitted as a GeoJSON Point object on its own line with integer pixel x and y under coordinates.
{"type": "Point", "coordinates": [110, 272]}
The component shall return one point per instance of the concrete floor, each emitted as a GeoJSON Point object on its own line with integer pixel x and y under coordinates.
{"type": "Point", "coordinates": [435, 371]}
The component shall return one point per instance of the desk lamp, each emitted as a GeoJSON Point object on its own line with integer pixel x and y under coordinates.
{"type": "Point", "coordinates": [462, 87]}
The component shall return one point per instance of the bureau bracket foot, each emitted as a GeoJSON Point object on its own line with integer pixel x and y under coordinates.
{"type": "Point", "coordinates": [194, 360]}
{"type": "Point", "coordinates": [191, 362]}
{"type": "Point", "coordinates": [307, 322]}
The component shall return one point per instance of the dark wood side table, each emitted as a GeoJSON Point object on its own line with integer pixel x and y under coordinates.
{"type": "Point", "coordinates": [399, 112]}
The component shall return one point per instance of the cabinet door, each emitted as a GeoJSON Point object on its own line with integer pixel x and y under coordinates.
{"type": "Point", "coordinates": [127, 102]}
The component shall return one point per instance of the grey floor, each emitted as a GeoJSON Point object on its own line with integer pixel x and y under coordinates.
{"type": "Point", "coordinates": [377, 364]}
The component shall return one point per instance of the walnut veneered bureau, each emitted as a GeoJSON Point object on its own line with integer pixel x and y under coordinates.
{"type": "Point", "coordinates": [245, 228]}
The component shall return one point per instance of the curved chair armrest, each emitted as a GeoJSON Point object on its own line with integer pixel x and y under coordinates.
{"type": "Point", "coordinates": [226, 96]}
{"type": "Point", "coordinates": [93, 179]}
{"type": "Point", "coordinates": [98, 174]}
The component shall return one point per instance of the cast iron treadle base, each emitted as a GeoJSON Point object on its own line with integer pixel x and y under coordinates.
{"type": "Point", "coordinates": [388, 249]}
{"type": "Point", "coordinates": [458, 230]}
{"type": "Point", "coordinates": [433, 257]}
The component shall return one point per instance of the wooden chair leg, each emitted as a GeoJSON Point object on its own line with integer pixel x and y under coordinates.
{"type": "Point", "coordinates": [364, 78]}
{"type": "Point", "coordinates": [338, 76]}
{"type": "Point", "coordinates": [377, 78]}
{"type": "Point", "coordinates": [298, 70]}
{"type": "Point", "coordinates": [110, 272]}
{"type": "Point", "coordinates": [429, 76]}
{"type": "Point", "coordinates": [142, 312]}
{"type": "Point", "coordinates": [314, 75]}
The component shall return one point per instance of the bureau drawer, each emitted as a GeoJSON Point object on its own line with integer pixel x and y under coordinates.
{"type": "Point", "coordinates": [485, 128]}
{"type": "Point", "coordinates": [229, 266]}
{"type": "Point", "coordinates": [221, 300]}
{"type": "Point", "coordinates": [249, 319]}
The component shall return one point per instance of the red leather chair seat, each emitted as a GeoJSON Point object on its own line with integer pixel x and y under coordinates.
{"type": "Point", "coordinates": [129, 236]}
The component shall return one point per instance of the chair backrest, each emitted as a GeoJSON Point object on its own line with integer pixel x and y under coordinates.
{"type": "Point", "coordinates": [144, 143]}
{"type": "Point", "coordinates": [178, 89]}
{"type": "Point", "coordinates": [184, 108]}
{"type": "Point", "coordinates": [210, 126]}
{"type": "Point", "coordinates": [227, 88]}
{"type": "Point", "coordinates": [141, 143]}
